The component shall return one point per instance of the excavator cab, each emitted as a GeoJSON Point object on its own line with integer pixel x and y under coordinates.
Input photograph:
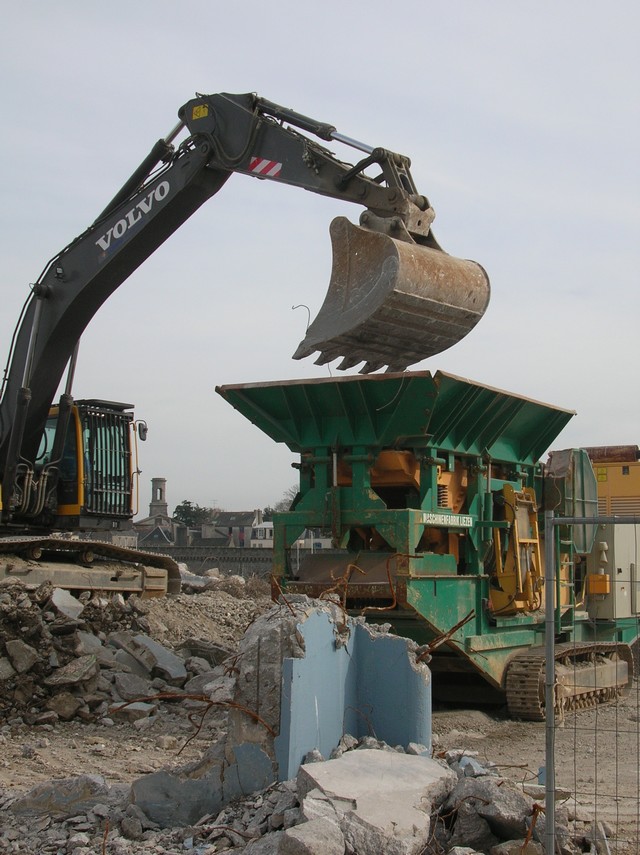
{"type": "Point", "coordinates": [94, 474]}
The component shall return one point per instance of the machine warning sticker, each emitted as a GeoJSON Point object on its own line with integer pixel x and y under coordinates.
{"type": "Point", "coordinates": [264, 167]}
{"type": "Point", "coordinates": [448, 520]}
{"type": "Point", "coordinates": [200, 111]}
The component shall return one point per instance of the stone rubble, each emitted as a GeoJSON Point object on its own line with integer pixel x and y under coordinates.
{"type": "Point", "coordinates": [314, 813]}
{"type": "Point", "coordinates": [99, 663]}
{"type": "Point", "coordinates": [67, 660]}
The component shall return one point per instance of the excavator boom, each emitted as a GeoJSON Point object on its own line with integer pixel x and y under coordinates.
{"type": "Point", "coordinates": [395, 297]}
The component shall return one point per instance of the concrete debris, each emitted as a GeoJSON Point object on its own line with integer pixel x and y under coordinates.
{"type": "Point", "coordinates": [62, 798]}
{"type": "Point", "coordinates": [22, 656]}
{"type": "Point", "coordinates": [348, 791]}
{"type": "Point", "coordinates": [333, 807]}
{"type": "Point", "coordinates": [66, 604]}
{"type": "Point", "coordinates": [67, 658]}
{"type": "Point", "coordinates": [210, 580]}
{"type": "Point", "coordinates": [293, 691]}
{"type": "Point", "coordinates": [368, 784]}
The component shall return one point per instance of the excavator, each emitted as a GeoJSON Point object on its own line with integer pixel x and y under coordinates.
{"type": "Point", "coordinates": [394, 298]}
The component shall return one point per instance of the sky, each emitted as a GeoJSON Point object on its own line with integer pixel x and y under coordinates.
{"type": "Point", "coordinates": [522, 122]}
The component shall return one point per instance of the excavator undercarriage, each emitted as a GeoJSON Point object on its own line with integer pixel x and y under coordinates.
{"type": "Point", "coordinates": [88, 565]}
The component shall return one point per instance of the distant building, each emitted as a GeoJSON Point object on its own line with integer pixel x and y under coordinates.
{"type": "Point", "coordinates": [237, 526]}
{"type": "Point", "coordinates": [310, 539]}
{"type": "Point", "coordinates": [262, 536]}
{"type": "Point", "coordinates": [159, 528]}
{"type": "Point", "coordinates": [227, 529]}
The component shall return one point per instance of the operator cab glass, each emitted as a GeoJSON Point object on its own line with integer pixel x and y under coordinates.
{"type": "Point", "coordinates": [95, 478]}
{"type": "Point", "coordinates": [67, 488]}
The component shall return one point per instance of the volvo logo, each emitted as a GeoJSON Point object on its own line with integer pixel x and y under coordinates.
{"type": "Point", "coordinates": [141, 208]}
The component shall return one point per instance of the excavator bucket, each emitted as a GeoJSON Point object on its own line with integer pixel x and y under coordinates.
{"type": "Point", "coordinates": [392, 302]}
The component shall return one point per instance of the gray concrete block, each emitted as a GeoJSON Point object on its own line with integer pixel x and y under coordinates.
{"type": "Point", "coordinates": [318, 837]}
{"type": "Point", "coordinates": [166, 664]}
{"type": "Point", "coordinates": [22, 656]}
{"type": "Point", "coordinates": [395, 821]}
{"type": "Point", "coordinates": [63, 798]}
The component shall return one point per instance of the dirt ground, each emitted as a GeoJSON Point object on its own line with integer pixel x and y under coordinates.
{"type": "Point", "coordinates": [597, 755]}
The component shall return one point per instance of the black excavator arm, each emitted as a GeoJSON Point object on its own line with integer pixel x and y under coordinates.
{"type": "Point", "coordinates": [226, 134]}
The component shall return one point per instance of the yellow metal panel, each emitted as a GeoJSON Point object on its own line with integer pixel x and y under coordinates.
{"type": "Point", "coordinates": [598, 583]}
{"type": "Point", "coordinates": [618, 487]}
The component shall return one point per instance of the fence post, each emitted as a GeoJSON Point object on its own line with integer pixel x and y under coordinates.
{"type": "Point", "coordinates": [550, 677]}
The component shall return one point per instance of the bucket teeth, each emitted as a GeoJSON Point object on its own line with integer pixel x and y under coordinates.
{"type": "Point", "coordinates": [303, 351]}
{"type": "Point", "coordinates": [392, 302]}
{"type": "Point", "coordinates": [349, 362]}
{"type": "Point", "coordinates": [328, 355]}
{"type": "Point", "coordinates": [370, 367]}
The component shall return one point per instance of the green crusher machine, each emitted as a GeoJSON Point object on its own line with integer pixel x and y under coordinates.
{"type": "Point", "coordinates": [432, 491]}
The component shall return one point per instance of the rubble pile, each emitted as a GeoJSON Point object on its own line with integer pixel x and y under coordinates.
{"type": "Point", "coordinates": [472, 811]}
{"type": "Point", "coordinates": [116, 664]}
{"type": "Point", "coordinates": [63, 658]}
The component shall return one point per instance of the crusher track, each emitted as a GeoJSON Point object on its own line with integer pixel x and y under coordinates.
{"type": "Point", "coordinates": [525, 681]}
{"type": "Point", "coordinates": [82, 565]}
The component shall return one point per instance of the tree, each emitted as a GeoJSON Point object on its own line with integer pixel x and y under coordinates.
{"type": "Point", "coordinates": [192, 515]}
{"type": "Point", "coordinates": [283, 504]}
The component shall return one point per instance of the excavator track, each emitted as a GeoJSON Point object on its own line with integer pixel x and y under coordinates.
{"type": "Point", "coordinates": [588, 674]}
{"type": "Point", "coordinates": [88, 565]}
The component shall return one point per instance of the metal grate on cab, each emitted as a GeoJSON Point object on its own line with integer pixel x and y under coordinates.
{"type": "Point", "coordinates": [107, 466]}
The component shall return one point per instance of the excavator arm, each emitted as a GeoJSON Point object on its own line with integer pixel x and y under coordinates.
{"type": "Point", "coordinates": [394, 298]}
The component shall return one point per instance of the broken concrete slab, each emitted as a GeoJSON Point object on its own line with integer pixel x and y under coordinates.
{"type": "Point", "coordinates": [214, 653]}
{"type": "Point", "coordinates": [169, 800]}
{"type": "Point", "coordinates": [165, 663]}
{"type": "Point", "coordinates": [470, 768]}
{"type": "Point", "coordinates": [87, 642]}
{"type": "Point", "coordinates": [318, 837]}
{"type": "Point", "coordinates": [131, 687]}
{"type": "Point", "coordinates": [79, 672]}
{"type": "Point", "coordinates": [267, 845]}
{"type": "Point", "coordinates": [126, 660]}
{"type": "Point", "coordinates": [174, 799]}
{"type": "Point", "coordinates": [63, 798]}
{"type": "Point", "coordinates": [65, 705]}
{"type": "Point", "coordinates": [124, 641]}
{"type": "Point", "coordinates": [66, 604]}
{"type": "Point", "coordinates": [499, 801]}
{"type": "Point", "coordinates": [133, 711]}
{"type": "Point", "coordinates": [22, 656]}
{"type": "Point", "coordinates": [396, 822]}
{"type": "Point", "coordinates": [472, 830]}
{"type": "Point", "coordinates": [7, 671]}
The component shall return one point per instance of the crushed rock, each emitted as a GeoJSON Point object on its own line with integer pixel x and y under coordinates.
{"type": "Point", "coordinates": [117, 752]}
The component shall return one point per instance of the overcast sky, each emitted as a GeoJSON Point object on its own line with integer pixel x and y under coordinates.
{"type": "Point", "coordinates": [522, 123]}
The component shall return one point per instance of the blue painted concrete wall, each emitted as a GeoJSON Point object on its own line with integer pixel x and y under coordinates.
{"type": "Point", "coordinates": [365, 687]}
